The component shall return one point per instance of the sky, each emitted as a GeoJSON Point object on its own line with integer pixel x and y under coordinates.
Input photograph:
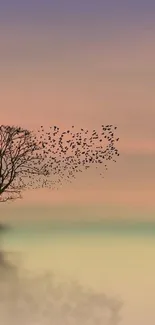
{"type": "Point", "coordinates": [85, 63]}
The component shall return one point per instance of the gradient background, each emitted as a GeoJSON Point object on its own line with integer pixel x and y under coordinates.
{"type": "Point", "coordinates": [87, 63]}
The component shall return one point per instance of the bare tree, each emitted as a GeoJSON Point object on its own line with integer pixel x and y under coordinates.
{"type": "Point", "coordinates": [46, 159]}
{"type": "Point", "coordinates": [19, 160]}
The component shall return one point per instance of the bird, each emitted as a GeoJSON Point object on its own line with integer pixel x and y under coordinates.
{"type": "Point", "coordinates": [61, 155]}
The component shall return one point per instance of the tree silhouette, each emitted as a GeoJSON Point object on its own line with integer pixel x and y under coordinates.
{"type": "Point", "coordinates": [19, 160]}
{"type": "Point", "coordinates": [47, 159]}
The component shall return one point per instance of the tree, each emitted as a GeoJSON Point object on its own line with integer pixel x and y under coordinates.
{"type": "Point", "coordinates": [46, 159]}
{"type": "Point", "coordinates": [19, 160]}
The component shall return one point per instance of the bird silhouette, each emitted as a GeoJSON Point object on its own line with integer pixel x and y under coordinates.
{"type": "Point", "coordinates": [66, 153]}
{"type": "Point", "coordinates": [56, 156]}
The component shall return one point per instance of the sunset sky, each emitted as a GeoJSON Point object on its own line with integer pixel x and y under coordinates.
{"type": "Point", "coordinates": [85, 63]}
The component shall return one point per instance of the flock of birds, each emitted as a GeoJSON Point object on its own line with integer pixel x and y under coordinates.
{"type": "Point", "coordinates": [44, 159]}
{"type": "Point", "coordinates": [64, 154]}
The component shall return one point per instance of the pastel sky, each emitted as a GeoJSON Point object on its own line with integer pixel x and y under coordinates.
{"type": "Point", "coordinates": [85, 63]}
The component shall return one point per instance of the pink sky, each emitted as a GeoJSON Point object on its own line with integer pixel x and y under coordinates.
{"type": "Point", "coordinates": [64, 78]}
